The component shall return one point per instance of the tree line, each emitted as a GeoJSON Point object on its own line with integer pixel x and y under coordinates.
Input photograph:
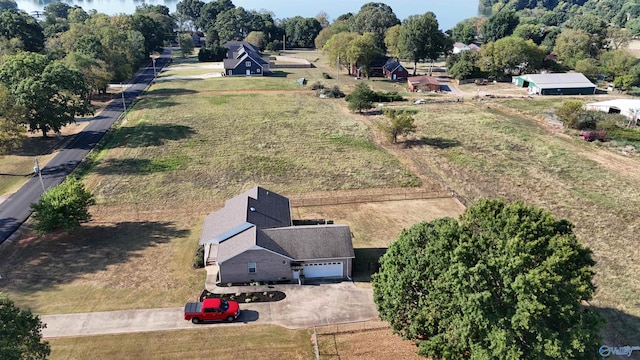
{"type": "Point", "coordinates": [50, 69]}
{"type": "Point", "coordinates": [526, 36]}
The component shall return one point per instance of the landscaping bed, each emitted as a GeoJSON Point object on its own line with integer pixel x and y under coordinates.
{"type": "Point", "coordinates": [247, 296]}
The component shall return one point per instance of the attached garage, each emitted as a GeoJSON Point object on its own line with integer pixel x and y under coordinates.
{"type": "Point", "coordinates": [556, 84]}
{"type": "Point", "coordinates": [323, 269]}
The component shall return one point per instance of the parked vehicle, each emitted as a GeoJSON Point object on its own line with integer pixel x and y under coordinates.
{"type": "Point", "coordinates": [212, 309]}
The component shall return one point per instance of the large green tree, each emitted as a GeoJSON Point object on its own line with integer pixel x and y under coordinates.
{"type": "Point", "coordinates": [500, 25]}
{"type": "Point", "coordinates": [337, 48]}
{"type": "Point", "coordinates": [505, 281]}
{"type": "Point", "coordinates": [363, 51]}
{"type": "Point", "coordinates": [51, 93]}
{"type": "Point", "coordinates": [11, 129]}
{"type": "Point", "coordinates": [20, 333]}
{"type": "Point", "coordinates": [572, 45]}
{"type": "Point", "coordinates": [464, 32]}
{"type": "Point", "coordinates": [511, 54]}
{"type": "Point", "coordinates": [421, 39]}
{"type": "Point", "coordinates": [20, 25]}
{"type": "Point", "coordinates": [63, 207]}
{"type": "Point", "coordinates": [301, 32]}
{"type": "Point", "coordinates": [376, 18]}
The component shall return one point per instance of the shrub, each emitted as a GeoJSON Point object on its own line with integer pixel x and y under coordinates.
{"type": "Point", "coordinates": [213, 53]}
{"type": "Point", "coordinates": [64, 206]}
{"type": "Point", "coordinates": [622, 134]}
{"type": "Point", "coordinates": [335, 92]}
{"type": "Point", "coordinates": [569, 112]}
{"type": "Point", "coordinates": [593, 135]}
{"type": "Point", "coordinates": [634, 91]}
{"type": "Point", "coordinates": [317, 86]}
{"type": "Point", "coordinates": [387, 97]}
{"type": "Point", "coordinates": [607, 124]}
{"type": "Point", "coordinates": [588, 120]}
{"type": "Point", "coordinates": [198, 258]}
{"type": "Point", "coordinates": [326, 76]}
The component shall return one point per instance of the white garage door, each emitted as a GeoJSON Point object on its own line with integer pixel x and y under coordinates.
{"type": "Point", "coordinates": [323, 269]}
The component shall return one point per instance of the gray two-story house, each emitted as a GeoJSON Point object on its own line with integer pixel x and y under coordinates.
{"type": "Point", "coordinates": [252, 238]}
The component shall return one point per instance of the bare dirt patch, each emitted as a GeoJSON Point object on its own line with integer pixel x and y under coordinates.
{"type": "Point", "coordinates": [369, 340]}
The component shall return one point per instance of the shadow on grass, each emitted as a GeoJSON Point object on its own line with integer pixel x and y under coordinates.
{"type": "Point", "coordinates": [143, 135]}
{"type": "Point", "coordinates": [278, 73]}
{"type": "Point", "coordinates": [35, 146]}
{"type": "Point", "coordinates": [35, 264]}
{"type": "Point", "coordinates": [141, 166]}
{"type": "Point", "coordinates": [158, 102]}
{"type": "Point", "coordinates": [172, 91]}
{"type": "Point", "coordinates": [366, 263]}
{"type": "Point", "coordinates": [620, 330]}
{"type": "Point", "coordinates": [438, 143]}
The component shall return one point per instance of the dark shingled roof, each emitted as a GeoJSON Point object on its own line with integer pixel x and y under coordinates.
{"type": "Point", "coordinates": [391, 65]}
{"type": "Point", "coordinates": [260, 218]}
{"type": "Point", "coordinates": [313, 241]}
{"type": "Point", "coordinates": [258, 206]}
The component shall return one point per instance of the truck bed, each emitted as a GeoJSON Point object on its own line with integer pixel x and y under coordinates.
{"type": "Point", "coordinates": [193, 308]}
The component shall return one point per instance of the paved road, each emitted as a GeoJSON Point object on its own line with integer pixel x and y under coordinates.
{"type": "Point", "coordinates": [304, 307]}
{"type": "Point", "coordinates": [16, 209]}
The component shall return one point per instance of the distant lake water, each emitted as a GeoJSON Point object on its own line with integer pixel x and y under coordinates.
{"type": "Point", "coordinates": [448, 12]}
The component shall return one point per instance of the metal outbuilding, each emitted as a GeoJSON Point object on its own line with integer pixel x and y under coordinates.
{"type": "Point", "coordinates": [556, 84]}
{"type": "Point", "coordinates": [627, 107]}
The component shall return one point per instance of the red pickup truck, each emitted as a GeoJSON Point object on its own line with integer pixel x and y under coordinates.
{"type": "Point", "coordinates": [213, 309]}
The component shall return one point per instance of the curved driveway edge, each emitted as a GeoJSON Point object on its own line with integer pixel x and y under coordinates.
{"type": "Point", "coordinates": [305, 306]}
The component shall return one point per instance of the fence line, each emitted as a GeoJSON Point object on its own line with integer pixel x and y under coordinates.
{"type": "Point", "coordinates": [351, 197]}
{"type": "Point", "coordinates": [316, 348]}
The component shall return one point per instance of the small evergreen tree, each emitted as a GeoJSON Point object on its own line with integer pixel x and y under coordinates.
{"type": "Point", "coordinates": [63, 207]}
{"type": "Point", "coordinates": [361, 98]}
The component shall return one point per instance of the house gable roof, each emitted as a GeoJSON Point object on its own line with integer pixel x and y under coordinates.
{"type": "Point", "coordinates": [258, 207]}
{"type": "Point", "coordinates": [422, 80]}
{"type": "Point", "coordinates": [313, 241]}
{"type": "Point", "coordinates": [392, 65]}
{"type": "Point", "coordinates": [259, 219]}
{"type": "Point", "coordinates": [233, 46]}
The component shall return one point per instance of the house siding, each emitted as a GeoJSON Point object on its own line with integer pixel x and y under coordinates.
{"type": "Point", "coordinates": [269, 267]}
{"type": "Point", "coordinates": [241, 69]}
{"type": "Point", "coordinates": [568, 91]}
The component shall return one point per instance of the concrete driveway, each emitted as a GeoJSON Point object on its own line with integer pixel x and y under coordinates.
{"type": "Point", "coordinates": [304, 306]}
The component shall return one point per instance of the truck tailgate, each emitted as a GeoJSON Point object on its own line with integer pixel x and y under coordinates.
{"type": "Point", "coordinates": [193, 307]}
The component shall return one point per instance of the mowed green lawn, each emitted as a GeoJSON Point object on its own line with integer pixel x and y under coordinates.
{"type": "Point", "coordinates": [224, 342]}
{"type": "Point", "coordinates": [173, 160]}
{"type": "Point", "coordinates": [183, 148]}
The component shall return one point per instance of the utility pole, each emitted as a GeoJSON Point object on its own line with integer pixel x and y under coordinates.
{"type": "Point", "coordinates": [36, 170]}
{"type": "Point", "coordinates": [284, 42]}
{"type": "Point", "coordinates": [338, 74]}
{"type": "Point", "coordinates": [124, 104]}
{"type": "Point", "coordinates": [154, 66]}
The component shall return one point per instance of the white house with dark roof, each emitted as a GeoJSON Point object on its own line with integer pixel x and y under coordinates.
{"type": "Point", "coordinates": [252, 238]}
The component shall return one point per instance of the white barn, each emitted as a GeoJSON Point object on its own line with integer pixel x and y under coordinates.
{"type": "Point", "coordinates": [627, 107]}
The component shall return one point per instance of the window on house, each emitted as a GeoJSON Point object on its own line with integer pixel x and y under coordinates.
{"type": "Point", "coordinates": [247, 64]}
{"type": "Point", "coordinates": [252, 267]}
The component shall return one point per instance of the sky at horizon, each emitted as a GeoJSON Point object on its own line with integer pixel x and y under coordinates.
{"type": "Point", "coordinates": [448, 12]}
